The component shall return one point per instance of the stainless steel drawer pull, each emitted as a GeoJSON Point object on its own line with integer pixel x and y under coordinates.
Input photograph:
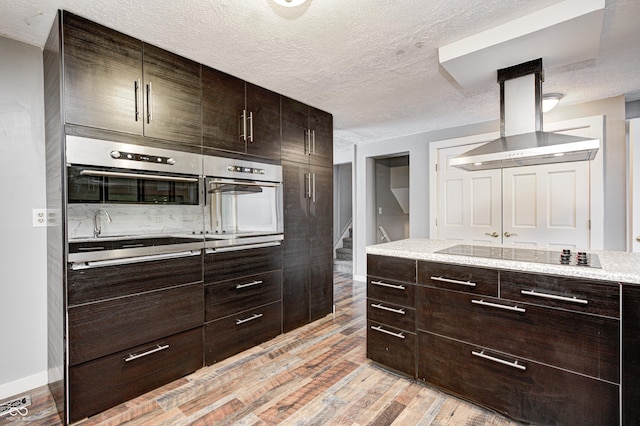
{"type": "Point", "coordinates": [513, 364]}
{"type": "Point", "coordinates": [554, 297]}
{"type": "Point", "coordinates": [449, 280]}
{"type": "Point", "coordinates": [390, 333]}
{"type": "Point", "coordinates": [251, 284]}
{"type": "Point", "coordinates": [496, 305]}
{"type": "Point", "coordinates": [158, 348]}
{"type": "Point", "coordinates": [383, 284]}
{"type": "Point", "coordinates": [386, 308]}
{"type": "Point", "coordinates": [251, 318]}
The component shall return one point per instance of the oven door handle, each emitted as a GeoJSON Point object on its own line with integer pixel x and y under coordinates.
{"type": "Point", "coordinates": [137, 176]}
{"type": "Point", "coordinates": [128, 260]}
{"type": "Point", "coordinates": [246, 183]}
{"type": "Point", "coordinates": [242, 247]}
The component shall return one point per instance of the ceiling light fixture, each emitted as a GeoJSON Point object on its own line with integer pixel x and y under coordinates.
{"type": "Point", "coordinates": [550, 100]}
{"type": "Point", "coordinates": [289, 3]}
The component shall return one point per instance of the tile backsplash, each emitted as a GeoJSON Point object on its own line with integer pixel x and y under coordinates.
{"type": "Point", "coordinates": [134, 219]}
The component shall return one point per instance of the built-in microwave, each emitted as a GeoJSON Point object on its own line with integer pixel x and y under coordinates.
{"type": "Point", "coordinates": [244, 199]}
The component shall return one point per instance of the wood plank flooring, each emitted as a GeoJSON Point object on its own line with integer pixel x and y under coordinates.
{"type": "Point", "coordinates": [316, 375]}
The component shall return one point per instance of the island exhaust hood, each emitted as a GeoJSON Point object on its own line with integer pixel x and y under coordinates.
{"type": "Point", "coordinates": [522, 141]}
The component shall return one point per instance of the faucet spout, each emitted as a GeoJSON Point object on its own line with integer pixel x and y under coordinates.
{"type": "Point", "coordinates": [97, 226]}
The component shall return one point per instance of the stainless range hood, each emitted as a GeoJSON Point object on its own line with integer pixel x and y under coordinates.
{"type": "Point", "coordinates": [522, 141]}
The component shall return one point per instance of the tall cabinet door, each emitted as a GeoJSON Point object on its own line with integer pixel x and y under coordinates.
{"type": "Point", "coordinates": [102, 77]}
{"type": "Point", "coordinates": [321, 242]}
{"type": "Point", "coordinates": [172, 97]}
{"type": "Point", "coordinates": [321, 124]}
{"type": "Point", "coordinates": [223, 100]}
{"type": "Point", "coordinates": [264, 122]}
{"type": "Point", "coordinates": [295, 124]}
{"type": "Point", "coordinates": [295, 247]}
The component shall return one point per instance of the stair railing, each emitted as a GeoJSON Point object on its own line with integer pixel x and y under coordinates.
{"type": "Point", "coordinates": [385, 236]}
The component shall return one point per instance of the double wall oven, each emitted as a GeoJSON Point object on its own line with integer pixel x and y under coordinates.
{"type": "Point", "coordinates": [130, 203]}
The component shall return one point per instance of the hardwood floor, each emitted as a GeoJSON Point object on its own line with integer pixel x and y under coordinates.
{"type": "Point", "coordinates": [316, 375]}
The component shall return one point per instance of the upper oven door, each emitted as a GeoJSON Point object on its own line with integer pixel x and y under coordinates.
{"type": "Point", "coordinates": [119, 186]}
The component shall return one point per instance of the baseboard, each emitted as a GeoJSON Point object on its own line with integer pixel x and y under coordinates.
{"type": "Point", "coordinates": [23, 385]}
{"type": "Point", "coordinates": [360, 278]}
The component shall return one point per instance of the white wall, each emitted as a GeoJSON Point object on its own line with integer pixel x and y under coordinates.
{"type": "Point", "coordinates": [417, 147]}
{"type": "Point", "coordinates": [23, 263]}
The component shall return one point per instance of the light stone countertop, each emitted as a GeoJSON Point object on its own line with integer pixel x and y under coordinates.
{"type": "Point", "coordinates": [617, 266]}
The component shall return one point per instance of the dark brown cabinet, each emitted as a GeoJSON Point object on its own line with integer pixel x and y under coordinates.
{"type": "Point", "coordinates": [243, 300]}
{"type": "Point", "coordinates": [391, 312]}
{"type": "Point", "coordinates": [238, 116]}
{"type": "Point", "coordinates": [308, 243]}
{"type": "Point", "coordinates": [538, 348]}
{"type": "Point", "coordinates": [307, 134]}
{"type": "Point", "coordinates": [630, 354]}
{"type": "Point", "coordinates": [117, 83]}
{"type": "Point", "coordinates": [131, 328]}
{"type": "Point", "coordinates": [521, 389]}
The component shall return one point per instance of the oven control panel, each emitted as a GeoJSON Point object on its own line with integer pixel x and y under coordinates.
{"type": "Point", "coordinates": [132, 156]}
{"type": "Point", "coordinates": [242, 169]}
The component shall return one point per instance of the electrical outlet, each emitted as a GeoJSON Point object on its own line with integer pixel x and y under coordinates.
{"type": "Point", "coordinates": [39, 217]}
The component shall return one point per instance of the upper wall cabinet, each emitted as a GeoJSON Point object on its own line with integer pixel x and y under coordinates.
{"type": "Point", "coordinates": [307, 134]}
{"type": "Point", "coordinates": [115, 82]}
{"type": "Point", "coordinates": [239, 116]}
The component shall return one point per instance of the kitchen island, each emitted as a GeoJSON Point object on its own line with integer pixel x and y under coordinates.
{"type": "Point", "coordinates": [547, 343]}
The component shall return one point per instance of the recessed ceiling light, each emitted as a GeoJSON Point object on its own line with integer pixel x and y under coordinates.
{"type": "Point", "coordinates": [289, 3]}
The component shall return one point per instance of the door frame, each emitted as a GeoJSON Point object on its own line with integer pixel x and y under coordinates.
{"type": "Point", "coordinates": [596, 172]}
{"type": "Point", "coordinates": [633, 167]}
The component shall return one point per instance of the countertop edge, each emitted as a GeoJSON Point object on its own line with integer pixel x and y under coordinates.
{"type": "Point", "coordinates": [619, 267]}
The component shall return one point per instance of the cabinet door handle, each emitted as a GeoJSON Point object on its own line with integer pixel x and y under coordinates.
{"type": "Point", "coordinates": [496, 305]}
{"type": "Point", "coordinates": [251, 284]}
{"type": "Point", "coordinates": [313, 141]}
{"type": "Point", "coordinates": [313, 186]}
{"type": "Point", "coordinates": [513, 364]}
{"type": "Point", "coordinates": [158, 348]}
{"type": "Point", "coordinates": [554, 296]}
{"type": "Point", "coordinates": [383, 284]}
{"type": "Point", "coordinates": [243, 126]}
{"type": "Point", "coordinates": [136, 89]}
{"type": "Point", "coordinates": [250, 126]}
{"type": "Point", "coordinates": [307, 141]}
{"type": "Point", "coordinates": [307, 177]}
{"type": "Point", "coordinates": [390, 333]}
{"type": "Point", "coordinates": [251, 318]}
{"type": "Point", "coordinates": [386, 308]}
{"type": "Point", "coordinates": [149, 103]}
{"type": "Point", "coordinates": [449, 280]}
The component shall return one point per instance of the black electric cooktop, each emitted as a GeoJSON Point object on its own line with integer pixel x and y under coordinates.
{"type": "Point", "coordinates": [563, 257]}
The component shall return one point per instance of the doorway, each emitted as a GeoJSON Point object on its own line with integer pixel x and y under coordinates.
{"type": "Point", "coordinates": [391, 198]}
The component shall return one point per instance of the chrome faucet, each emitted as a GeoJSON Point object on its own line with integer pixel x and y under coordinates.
{"type": "Point", "coordinates": [97, 226]}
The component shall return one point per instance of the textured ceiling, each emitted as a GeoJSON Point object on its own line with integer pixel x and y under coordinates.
{"type": "Point", "coordinates": [372, 63]}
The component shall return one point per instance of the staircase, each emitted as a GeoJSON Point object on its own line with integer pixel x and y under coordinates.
{"type": "Point", "coordinates": [344, 255]}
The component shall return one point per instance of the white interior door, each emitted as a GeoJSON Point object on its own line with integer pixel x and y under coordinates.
{"type": "Point", "coordinates": [547, 206]}
{"type": "Point", "coordinates": [634, 184]}
{"type": "Point", "coordinates": [469, 203]}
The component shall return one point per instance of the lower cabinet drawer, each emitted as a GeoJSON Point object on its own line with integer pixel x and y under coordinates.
{"type": "Point", "coordinates": [583, 343]}
{"type": "Point", "coordinates": [100, 329]}
{"type": "Point", "coordinates": [100, 384]}
{"type": "Point", "coordinates": [236, 333]}
{"type": "Point", "coordinates": [523, 390]}
{"type": "Point", "coordinates": [393, 315]}
{"type": "Point", "coordinates": [232, 296]}
{"type": "Point", "coordinates": [392, 347]}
